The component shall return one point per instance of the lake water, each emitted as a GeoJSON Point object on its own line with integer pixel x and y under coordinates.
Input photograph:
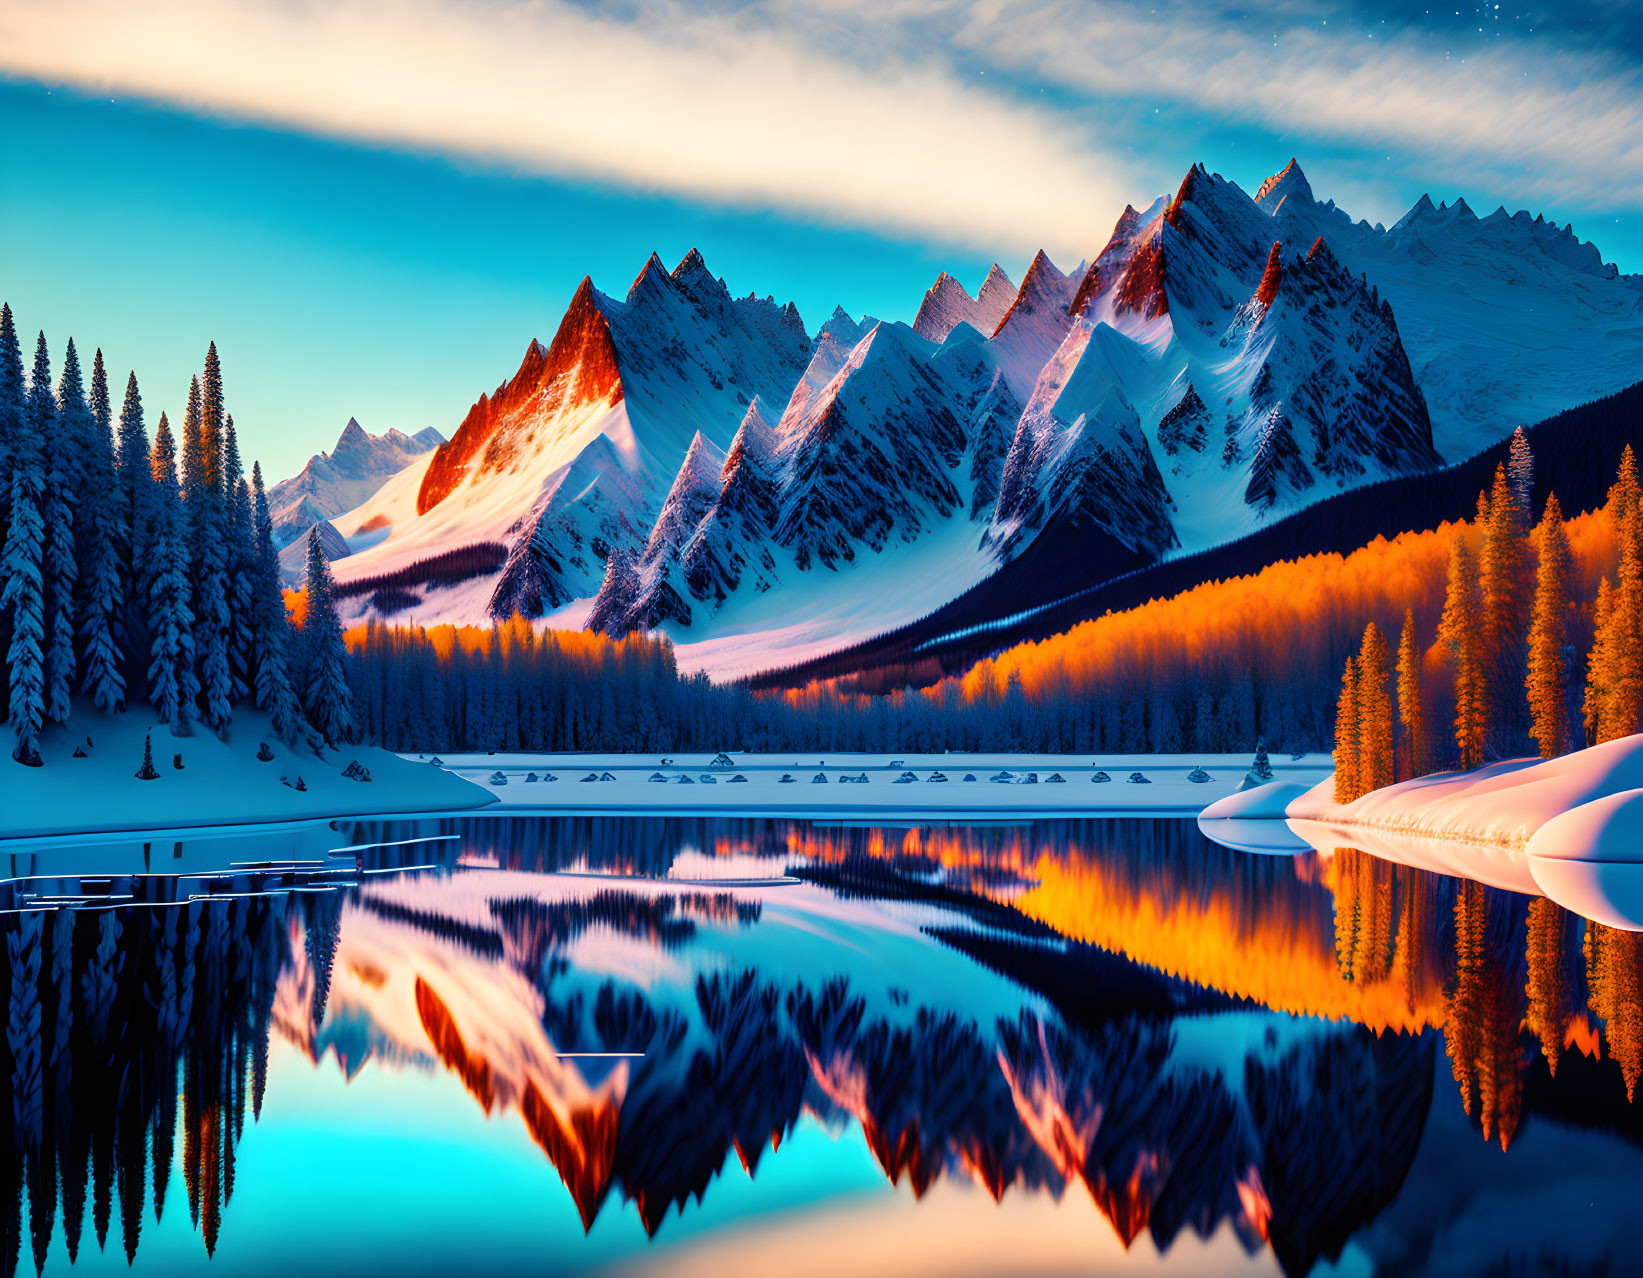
{"type": "Point", "coordinates": [603, 1045]}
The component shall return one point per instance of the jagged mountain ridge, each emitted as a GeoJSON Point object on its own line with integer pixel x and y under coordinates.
{"type": "Point", "coordinates": [949, 304]}
{"type": "Point", "coordinates": [1223, 361]}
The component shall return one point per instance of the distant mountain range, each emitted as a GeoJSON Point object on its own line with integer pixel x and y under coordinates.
{"type": "Point", "coordinates": [693, 461]}
{"type": "Point", "coordinates": [334, 482]}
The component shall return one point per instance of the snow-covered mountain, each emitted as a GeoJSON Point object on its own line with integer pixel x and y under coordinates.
{"type": "Point", "coordinates": [334, 482]}
{"type": "Point", "coordinates": [573, 456]}
{"type": "Point", "coordinates": [686, 460]}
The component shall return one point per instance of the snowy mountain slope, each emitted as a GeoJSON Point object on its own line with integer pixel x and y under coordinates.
{"type": "Point", "coordinates": [837, 338]}
{"type": "Point", "coordinates": [731, 536]}
{"type": "Point", "coordinates": [652, 589]}
{"type": "Point", "coordinates": [949, 304]}
{"type": "Point", "coordinates": [574, 454]}
{"type": "Point", "coordinates": [872, 454]}
{"type": "Point", "coordinates": [1079, 455]}
{"type": "Point", "coordinates": [1035, 324]}
{"type": "Point", "coordinates": [341, 479]}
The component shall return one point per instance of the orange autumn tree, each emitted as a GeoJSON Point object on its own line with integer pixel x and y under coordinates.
{"type": "Point", "coordinates": [1548, 677]}
{"type": "Point", "coordinates": [1614, 680]}
{"type": "Point", "coordinates": [1458, 632]}
{"type": "Point", "coordinates": [1346, 735]}
{"type": "Point", "coordinates": [1376, 733]}
{"type": "Point", "coordinates": [1413, 758]}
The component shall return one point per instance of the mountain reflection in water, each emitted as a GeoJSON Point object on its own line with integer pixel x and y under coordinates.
{"type": "Point", "coordinates": [1305, 1055]}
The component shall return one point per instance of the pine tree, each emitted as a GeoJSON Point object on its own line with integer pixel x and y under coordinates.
{"type": "Point", "coordinates": [1346, 736]}
{"type": "Point", "coordinates": [326, 696]}
{"type": "Point", "coordinates": [204, 520]}
{"type": "Point", "coordinates": [1458, 631]}
{"type": "Point", "coordinates": [134, 485]}
{"type": "Point", "coordinates": [65, 444]}
{"type": "Point", "coordinates": [171, 682]}
{"type": "Point", "coordinates": [1614, 691]}
{"type": "Point", "coordinates": [1547, 684]}
{"type": "Point", "coordinates": [271, 631]}
{"type": "Point", "coordinates": [239, 543]}
{"type": "Point", "coordinates": [210, 423]}
{"type": "Point", "coordinates": [23, 590]}
{"type": "Point", "coordinates": [1411, 702]}
{"type": "Point", "coordinates": [12, 400]}
{"type": "Point", "coordinates": [102, 589]}
{"type": "Point", "coordinates": [1505, 589]}
{"type": "Point", "coordinates": [1520, 474]}
{"type": "Point", "coordinates": [1598, 663]}
{"type": "Point", "coordinates": [1374, 705]}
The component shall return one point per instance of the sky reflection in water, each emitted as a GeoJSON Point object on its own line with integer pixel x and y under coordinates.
{"type": "Point", "coordinates": [1152, 1052]}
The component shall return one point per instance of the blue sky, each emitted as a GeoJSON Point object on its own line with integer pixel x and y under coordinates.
{"type": "Point", "coordinates": [373, 205]}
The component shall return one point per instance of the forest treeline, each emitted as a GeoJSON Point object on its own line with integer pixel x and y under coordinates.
{"type": "Point", "coordinates": [1210, 670]}
{"type": "Point", "coordinates": [142, 568]}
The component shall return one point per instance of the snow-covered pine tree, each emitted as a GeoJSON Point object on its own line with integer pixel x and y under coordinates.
{"type": "Point", "coordinates": [240, 546]}
{"type": "Point", "coordinates": [204, 519]}
{"type": "Point", "coordinates": [326, 696]}
{"type": "Point", "coordinates": [11, 407]}
{"type": "Point", "coordinates": [65, 445]}
{"type": "Point", "coordinates": [102, 535]}
{"type": "Point", "coordinates": [271, 630]}
{"type": "Point", "coordinates": [134, 485]}
{"type": "Point", "coordinates": [23, 562]}
{"type": "Point", "coordinates": [172, 687]}
{"type": "Point", "coordinates": [211, 422]}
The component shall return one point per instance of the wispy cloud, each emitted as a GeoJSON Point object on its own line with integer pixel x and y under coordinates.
{"type": "Point", "coordinates": [888, 114]}
{"type": "Point", "coordinates": [1563, 124]}
{"type": "Point", "coordinates": [725, 107]}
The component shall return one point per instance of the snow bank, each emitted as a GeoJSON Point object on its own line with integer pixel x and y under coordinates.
{"type": "Point", "coordinates": [1269, 800]}
{"type": "Point", "coordinates": [1570, 829]}
{"type": "Point", "coordinates": [1502, 804]}
{"type": "Point", "coordinates": [220, 783]}
{"type": "Point", "coordinates": [930, 785]}
{"type": "Point", "coordinates": [1590, 859]}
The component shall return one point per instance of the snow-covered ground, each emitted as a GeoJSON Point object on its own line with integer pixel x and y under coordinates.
{"type": "Point", "coordinates": [866, 785]}
{"type": "Point", "coordinates": [220, 783]}
{"type": "Point", "coordinates": [1569, 828]}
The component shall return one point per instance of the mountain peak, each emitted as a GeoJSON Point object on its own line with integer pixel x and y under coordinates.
{"type": "Point", "coordinates": [652, 275]}
{"type": "Point", "coordinates": [353, 434]}
{"type": "Point", "coordinates": [693, 275]}
{"type": "Point", "coordinates": [1287, 182]}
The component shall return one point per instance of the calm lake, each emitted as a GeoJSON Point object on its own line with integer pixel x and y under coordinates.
{"type": "Point", "coordinates": [726, 1046]}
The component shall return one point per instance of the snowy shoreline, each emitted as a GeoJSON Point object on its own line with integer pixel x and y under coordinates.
{"type": "Point", "coordinates": [907, 785]}
{"type": "Point", "coordinates": [222, 782]}
{"type": "Point", "coordinates": [1569, 828]}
